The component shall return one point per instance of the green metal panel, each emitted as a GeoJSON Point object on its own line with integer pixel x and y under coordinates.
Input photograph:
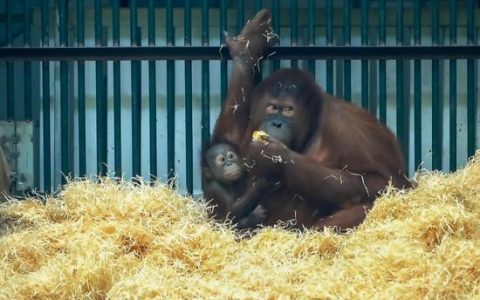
{"type": "Point", "coordinates": [364, 38]}
{"type": "Point", "coordinates": [152, 93]}
{"type": "Point", "coordinates": [311, 33]}
{"type": "Point", "coordinates": [47, 174]}
{"type": "Point", "coordinates": [329, 35]}
{"type": "Point", "coordinates": [293, 29]}
{"type": "Point", "coordinates": [10, 81]}
{"type": "Point", "coordinates": [136, 99]}
{"type": "Point", "coordinates": [82, 156]}
{"type": "Point", "coordinates": [205, 79]}
{"type": "Point", "coordinates": [223, 63]}
{"type": "Point", "coordinates": [352, 16]}
{"type": "Point", "coordinates": [402, 102]}
{"type": "Point", "coordinates": [437, 107]}
{"type": "Point", "coordinates": [382, 66]}
{"type": "Point", "coordinates": [258, 5]}
{"type": "Point", "coordinates": [240, 15]}
{"type": "Point", "coordinates": [64, 101]}
{"type": "Point", "coordinates": [30, 114]}
{"type": "Point", "coordinates": [117, 101]}
{"type": "Point", "coordinates": [27, 65]}
{"type": "Point", "coordinates": [188, 101]}
{"type": "Point", "coordinates": [347, 68]}
{"type": "Point", "coordinates": [101, 100]}
{"type": "Point", "coordinates": [417, 86]}
{"type": "Point", "coordinates": [453, 88]}
{"type": "Point", "coordinates": [170, 95]}
{"type": "Point", "coordinates": [471, 95]}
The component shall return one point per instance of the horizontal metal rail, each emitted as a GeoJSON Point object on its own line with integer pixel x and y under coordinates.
{"type": "Point", "coordinates": [217, 53]}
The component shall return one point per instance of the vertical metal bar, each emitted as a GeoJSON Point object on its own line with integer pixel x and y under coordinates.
{"type": "Point", "coordinates": [311, 33]}
{"type": "Point", "coordinates": [437, 108]}
{"type": "Point", "coordinates": [223, 63]}
{"type": "Point", "coordinates": [347, 76]}
{"type": "Point", "coordinates": [29, 115]}
{"type": "Point", "coordinates": [10, 81]}
{"type": "Point", "coordinates": [329, 34]}
{"type": "Point", "coordinates": [152, 93]}
{"type": "Point", "coordinates": [170, 96]}
{"type": "Point", "coordinates": [82, 156]}
{"type": "Point", "coordinates": [136, 101]}
{"type": "Point", "coordinates": [101, 101]}
{"type": "Point", "coordinates": [47, 174]}
{"type": "Point", "coordinates": [453, 88]}
{"type": "Point", "coordinates": [364, 38]}
{"type": "Point", "coordinates": [471, 94]}
{"type": "Point", "coordinates": [188, 101]}
{"type": "Point", "coordinates": [28, 64]}
{"type": "Point", "coordinates": [402, 103]}
{"type": "Point", "coordinates": [64, 110]}
{"type": "Point", "coordinates": [417, 86]}
{"type": "Point", "coordinates": [205, 79]}
{"type": "Point", "coordinates": [240, 15]}
{"type": "Point", "coordinates": [382, 66]}
{"type": "Point", "coordinates": [117, 101]}
{"type": "Point", "coordinates": [276, 28]}
{"type": "Point", "coordinates": [258, 5]}
{"type": "Point", "coordinates": [293, 29]}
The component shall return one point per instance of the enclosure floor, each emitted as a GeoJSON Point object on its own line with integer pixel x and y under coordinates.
{"type": "Point", "coordinates": [119, 241]}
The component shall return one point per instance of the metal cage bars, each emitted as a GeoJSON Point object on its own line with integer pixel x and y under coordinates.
{"type": "Point", "coordinates": [310, 52]}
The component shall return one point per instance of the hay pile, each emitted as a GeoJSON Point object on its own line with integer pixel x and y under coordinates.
{"type": "Point", "coordinates": [118, 241]}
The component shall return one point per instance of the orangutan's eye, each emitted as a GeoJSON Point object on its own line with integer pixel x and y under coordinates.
{"type": "Point", "coordinates": [220, 160]}
{"type": "Point", "coordinates": [271, 108]}
{"type": "Point", "coordinates": [231, 155]}
{"type": "Point", "coordinates": [288, 111]}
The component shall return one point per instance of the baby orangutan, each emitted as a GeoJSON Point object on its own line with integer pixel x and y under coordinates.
{"type": "Point", "coordinates": [234, 192]}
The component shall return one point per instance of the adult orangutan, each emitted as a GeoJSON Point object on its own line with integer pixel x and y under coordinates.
{"type": "Point", "coordinates": [330, 157]}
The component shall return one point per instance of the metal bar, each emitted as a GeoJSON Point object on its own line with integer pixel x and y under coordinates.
{"type": "Point", "coordinates": [152, 93]}
{"type": "Point", "coordinates": [437, 107]}
{"type": "Point", "coordinates": [10, 75]}
{"type": "Point", "coordinates": [453, 88]}
{"type": "Point", "coordinates": [223, 63]}
{"type": "Point", "coordinates": [117, 101]}
{"type": "Point", "coordinates": [364, 40]}
{"type": "Point", "coordinates": [240, 15]}
{"type": "Point", "coordinates": [170, 95]}
{"type": "Point", "coordinates": [293, 29]}
{"type": "Point", "coordinates": [417, 86]}
{"type": "Point", "coordinates": [101, 101]}
{"type": "Point", "coordinates": [311, 33]}
{"type": "Point", "coordinates": [402, 102]}
{"type": "Point", "coordinates": [82, 154]}
{"type": "Point", "coordinates": [471, 95]}
{"type": "Point", "coordinates": [258, 5]}
{"type": "Point", "coordinates": [205, 79]}
{"type": "Point", "coordinates": [64, 105]}
{"type": "Point", "coordinates": [329, 34]}
{"type": "Point", "coordinates": [347, 68]}
{"type": "Point", "coordinates": [136, 100]}
{"type": "Point", "coordinates": [276, 29]}
{"type": "Point", "coordinates": [213, 53]}
{"type": "Point", "coordinates": [382, 66]}
{"type": "Point", "coordinates": [28, 65]}
{"type": "Point", "coordinates": [47, 174]}
{"type": "Point", "coordinates": [29, 114]}
{"type": "Point", "coordinates": [8, 22]}
{"type": "Point", "coordinates": [188, 101]}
